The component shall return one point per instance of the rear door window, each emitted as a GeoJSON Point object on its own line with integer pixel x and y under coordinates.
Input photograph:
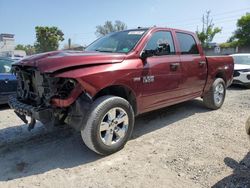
{"type": "Point", "coordinates": [187, 43]}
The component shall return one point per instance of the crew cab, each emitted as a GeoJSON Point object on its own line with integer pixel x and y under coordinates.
{"type": "Point", "coordinates": [99, 91]}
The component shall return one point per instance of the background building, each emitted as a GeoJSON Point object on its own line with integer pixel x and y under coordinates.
{"type": "Point", "coordinates": [7, 47]}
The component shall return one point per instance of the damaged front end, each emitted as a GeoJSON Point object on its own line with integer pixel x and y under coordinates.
{"type": "Point", "coordinates": [44, 97]}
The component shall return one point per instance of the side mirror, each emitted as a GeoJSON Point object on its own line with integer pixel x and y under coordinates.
{"type": "Point", "coordinates": [147, 53]}
{"type": "Point", "coordinates": [163, 48]}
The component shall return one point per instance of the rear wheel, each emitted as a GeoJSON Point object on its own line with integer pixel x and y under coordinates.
{"type": "Point", "coordinates": [248, 127]}
{"type": "Point", "coordinates": [109, 125]}
{"type": "Point", "coordinates": [247, 86]}
{"type": "Point", "coordinates": [215, 97]}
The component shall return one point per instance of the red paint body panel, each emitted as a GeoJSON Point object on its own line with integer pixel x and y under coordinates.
{"type": "Point", "coordinates": [219, 65]}
{"type": "Point", "coordinates": [95, 71]}
{"type": "Point", "coordinates": [55, 61]}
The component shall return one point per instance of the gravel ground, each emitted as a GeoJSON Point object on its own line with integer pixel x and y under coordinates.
{"type": "Point", "coordinates": [184, 145]}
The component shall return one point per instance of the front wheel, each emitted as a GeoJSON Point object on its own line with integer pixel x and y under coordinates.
{"type": "Point", "coordinates": [109, 125]}
{"type": "Point", "coordinates": [215, 97]}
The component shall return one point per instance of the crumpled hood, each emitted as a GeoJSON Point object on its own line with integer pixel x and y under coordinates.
{"type": "Point", "coordinates": [241, 66]}
{"type": "Point", "coordinates": [57, 60]}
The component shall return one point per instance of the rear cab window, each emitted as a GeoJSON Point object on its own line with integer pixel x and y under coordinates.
{"type": "Point", "coordinates": [187, 43]}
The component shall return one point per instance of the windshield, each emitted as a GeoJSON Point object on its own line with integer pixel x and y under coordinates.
{"type": "Point", "coordinates": [119, 42]}
{"type": "Point", "coordinates": [244, 60]}
{"type": "Point", "coordinates": [5, 65]}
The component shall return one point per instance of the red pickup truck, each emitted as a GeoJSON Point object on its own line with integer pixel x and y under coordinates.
{"type": "Point", "coordinates": [119, 76]}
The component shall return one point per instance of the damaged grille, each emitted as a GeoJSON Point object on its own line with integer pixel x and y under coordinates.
{"type": "Point", "coordinates": [38, 89]}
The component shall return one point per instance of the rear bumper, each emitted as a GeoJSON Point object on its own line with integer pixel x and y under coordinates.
{"type": "Point", "coordinates": [42, 114]}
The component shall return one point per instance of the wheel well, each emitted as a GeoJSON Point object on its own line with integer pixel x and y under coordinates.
{"type": "Point", "coordinates": [221, 75]}
{"type": "Point", "coordinates": [119, 91]}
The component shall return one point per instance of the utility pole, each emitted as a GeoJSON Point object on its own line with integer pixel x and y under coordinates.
{"type": "Point", "coordinates": [69, 43]}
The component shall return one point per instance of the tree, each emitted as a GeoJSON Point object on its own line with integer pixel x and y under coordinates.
{"type": "Point", "coordinates": [29, 49]}
{"type": "Point", "coordinates": [229, 44]}
{"type": "Point", "coordinates": [48, 38]}
{"type": "Point", "coordinates": [109, 27]}
{"type": "Point", "coordinates": [242, 34]}
{"type": "Point", "coordinates": [208, 30]}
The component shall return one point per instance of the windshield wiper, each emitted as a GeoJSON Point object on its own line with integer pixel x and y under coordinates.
{"type": "Point", "coordinates": [103, 50]}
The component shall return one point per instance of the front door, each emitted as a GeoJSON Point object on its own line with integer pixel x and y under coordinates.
{"type": "Point", "coordinates": [161, 74]}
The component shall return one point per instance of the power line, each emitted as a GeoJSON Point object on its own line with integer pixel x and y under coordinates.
{"type": "Point", "coordinates": [232, 11]}
{"type": "Point", "coordinates": [194, 22]}
{"type": "Point", "coordinates": [212, 15]}
{"type": "Point", "coordinates": [221, 19]}
{"type": "Point", "coordinates": [197, 24]}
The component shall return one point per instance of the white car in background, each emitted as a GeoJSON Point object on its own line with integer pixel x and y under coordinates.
{"type": "Point", "coordinates": [241, 69]}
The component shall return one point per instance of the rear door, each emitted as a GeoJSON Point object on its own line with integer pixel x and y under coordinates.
{"type": "Point", "coordinates": [161, 73]}
{"type": "Point", "coordinates": [193, 65]}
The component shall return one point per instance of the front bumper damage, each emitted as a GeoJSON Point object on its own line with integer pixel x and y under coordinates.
{"type": "Point", "coordinates": [22, 110]}
{"type": "Point", "coordinates": [75, 115]}
{"type": "Point", "coordinates": [48, 99]}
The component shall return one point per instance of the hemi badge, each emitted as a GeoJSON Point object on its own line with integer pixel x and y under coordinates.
{"type": "Point", "coordinates": [137, 79]}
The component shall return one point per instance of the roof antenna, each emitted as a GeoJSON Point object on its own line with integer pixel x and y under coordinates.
{"type": "Point", "coordinates": [139, 27]}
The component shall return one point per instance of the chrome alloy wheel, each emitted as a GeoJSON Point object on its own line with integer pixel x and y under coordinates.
{"type": "Point", "coordinates": [114, 126]}
{"type": "Point", "coordinates": [219, 93]}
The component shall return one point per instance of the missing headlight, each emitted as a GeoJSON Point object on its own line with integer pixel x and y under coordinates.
{"type": "Point", "coordinates": [65, 87]}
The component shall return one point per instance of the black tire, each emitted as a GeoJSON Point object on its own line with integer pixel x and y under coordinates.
{"type": "Point", "coordinates": [248, 127]}
{"type": "Point", "coordinates": [247, 86]}
{"type": "Point", "coordinates": [209, 98]}
{"type": "Point", "coordinates": [91, 133]}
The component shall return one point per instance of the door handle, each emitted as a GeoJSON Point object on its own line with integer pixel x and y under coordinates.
{"type": "Point", "coordinates": [202, 63]}
{"type": "Point", "coordinates": [174, 66]}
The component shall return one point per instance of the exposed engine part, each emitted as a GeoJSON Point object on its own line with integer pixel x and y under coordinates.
{"type": "Point", "coordinates": [34, 98]}
{"type": "Point", "coordinates": [38, 89]}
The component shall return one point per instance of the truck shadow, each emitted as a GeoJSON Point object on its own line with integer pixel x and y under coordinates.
{"type": "Point", "coordinates": [4, 107]}
{"type": "Point", "coordinates": [158, 119]}
{"type": "Point", "coordinates": [64, 148]}
{"type": "Point", "coordinates": [235, 87]}
{"type": "Point", "coordinates": [240, 176]}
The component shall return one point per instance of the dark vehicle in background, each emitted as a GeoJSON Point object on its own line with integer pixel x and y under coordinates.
{"type": "Point", "coordinates": [8, 82]}
{"type": "Point", "coordinates": [241, 69]}
{"type": "Point", "coordinates": [100, 91]}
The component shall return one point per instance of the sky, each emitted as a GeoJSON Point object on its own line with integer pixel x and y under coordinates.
{"type": "Point", "coordinates": [78, 18]}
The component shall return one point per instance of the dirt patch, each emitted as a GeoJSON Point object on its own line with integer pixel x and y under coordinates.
{"type": "Point", "coordinates": [184, 145]}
